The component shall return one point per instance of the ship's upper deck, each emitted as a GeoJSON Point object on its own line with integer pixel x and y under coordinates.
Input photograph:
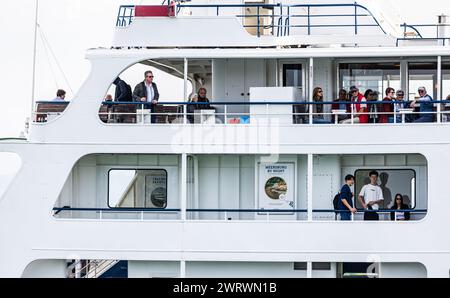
{"type": "Point", "coordinates": [267, 23]}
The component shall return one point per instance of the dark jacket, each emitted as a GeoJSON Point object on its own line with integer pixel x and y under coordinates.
{"type": "Point", "coordinates": [141, 91]}
{"type": "Point", "coordinates": [404, 207]}
{"type": "Point", "coordinates": [123, 91]}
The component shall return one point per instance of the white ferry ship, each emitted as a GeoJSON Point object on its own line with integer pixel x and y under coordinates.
{"type": "Point", "coordinates": [242, 185]}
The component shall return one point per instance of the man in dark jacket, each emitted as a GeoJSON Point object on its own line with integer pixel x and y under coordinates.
{"type": "Point", "coordinates": [123, 91]}
{"type": "Point", "coordinates": [147, 92]}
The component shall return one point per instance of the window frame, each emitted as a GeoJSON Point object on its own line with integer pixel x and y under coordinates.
{"type": "Point", "coordinates": [137, 169]}
{"type": "Point", "coordinates": [379, 170]}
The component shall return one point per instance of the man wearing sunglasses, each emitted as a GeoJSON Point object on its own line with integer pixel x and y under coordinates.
{"type": "Point", "coordinates": [147, 92]}
{"type": "Point", "coordinates": [426, 106]}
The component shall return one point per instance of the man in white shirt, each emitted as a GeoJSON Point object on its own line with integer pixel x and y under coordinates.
{"type": "Point", "coordinates": [147, 92]}
{"type": "Point", "coordinates": [370, 196]}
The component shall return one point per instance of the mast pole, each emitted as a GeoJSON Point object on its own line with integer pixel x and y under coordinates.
{"type": "Point", "coordinates": [34, 56]}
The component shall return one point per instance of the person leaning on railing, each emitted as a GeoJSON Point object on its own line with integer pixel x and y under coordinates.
{"type": "Point", "coordinates": [400, 104]}
{"type": "Point", "coordinates": [371, 107]}
{"type": "Point", "coordinates": [199, 97]}
{"type": "Point", "coordinates": [399, 205]}
{"type": "Point", "coordinates": [359, 107]}
{"type": "Point", "coordinates": [386, 108]}
{"type": "Point", "coordinates": [426, 106]}
{"type": "Point", "coordinates": [147, 92]}
{"type": "Point", "coordinates": [445, 116]}
{"type": "Point", "coordinates": [339, 104]}
{"type": "Point", "coordinates": [318, 109]}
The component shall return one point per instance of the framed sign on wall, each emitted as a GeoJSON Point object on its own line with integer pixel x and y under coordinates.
{"type": "Point", "coordinates": [276, 186]}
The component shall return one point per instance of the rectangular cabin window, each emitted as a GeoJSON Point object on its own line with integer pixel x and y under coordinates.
{"type": "Point", "coordinates": [422, 74]}
{"type": "Point", "coordinates": [445, 81]}
{"type": "Point", "coordinates": [137, 188]}
{"type": "Point", "coordinates": [392, 182]}
{"type": "Point", "coordinates": [292, 75]}
{"type": "Point", "coordinates": [374, 76]}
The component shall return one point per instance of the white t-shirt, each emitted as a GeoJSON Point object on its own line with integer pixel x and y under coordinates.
{"type": "Point", "coordinates": [371, 193]}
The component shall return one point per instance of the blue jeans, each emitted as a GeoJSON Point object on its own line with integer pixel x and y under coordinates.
{"type": "Point", "coordinates": [346, 215]}
{"type": "Point", "coordinates": [391, 119]}
{"type": "Point", "coordinates": [320, 121]}
{"type": "Point", "coordinates": [425, 118]}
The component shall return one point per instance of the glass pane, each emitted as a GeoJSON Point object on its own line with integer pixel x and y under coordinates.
{"type": "Point", "coordinates": [374, 76]}
{"type": "Point", "coordinates": [422, 74]}
{"type": "Point", "coordinates": [391, 182]}
{"type": "Point", "coordinates": [292, 75]}
{"type": "Point", "coordinates": [445, 80]}
{"type": "Point", "coordinates": [137, 188]}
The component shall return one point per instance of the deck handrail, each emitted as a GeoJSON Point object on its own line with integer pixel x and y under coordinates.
{"type": "Point", "coordinates": [128, 210]}
{"type": "Point", "coordinates": [379, 102]}
{"type": "Point", "coordinates": [126, 15]}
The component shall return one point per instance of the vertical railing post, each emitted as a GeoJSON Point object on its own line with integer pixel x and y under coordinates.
{"type": "Point", "coordinates": [310, 186]}
{"type": "Point", "coordinates": [259, 21]}
{"type": "Point", "coordinates": [225, 112]}
{"type": "Point", "coordinates": [184, 182]}
{"type": "Point", "coordinates": [310, 91]}
{"type": "Point", "coordinates": [395, 114]}
{"type": "Point", "coordinates": [439, 88]}
{"type": "Point", "coordinates": [185, 91]}
{"type": "Point", "coordinates": [352, 112]}
{"type": "Point", "coordinates": [308, 269]}
{"type": "Point", "coordinates": [309, 20]}
{"type": "Point", "coordinates": [182, 269]}
{"type": "Point", "coordinates": [356, 18]}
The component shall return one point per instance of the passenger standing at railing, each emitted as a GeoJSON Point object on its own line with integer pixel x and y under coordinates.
{"type": "Point", "coordinates": [200, 97]}
{"type": "Point", "coordinates": [387, 108]}
{"type": "Point", "coordinates": [445, 116]}
{"type": "Point", "coordinates": [345, 203]}
{"type": "Point", "coordinates": [318, 109]}
{"type": "Point", "coordinates": [399, 205]}
{"type": "Point", "coordinates": [147, 92]}
{"type": "Point", "coordinates": [426, 106]}
{"type": "Point", "coordinates": [359, 107]}
{"type": "Point", "coordinates": [371, 108]}
{"type": "Point", "coordinates": [123, 91]}
{"type": "Point", "coordinates": [400, 98]}
{"type": "Point", "coordinates": [370, 196]}
{"type": "Point", "coordinates": [341, 105]}
{"type": "Point", "coordinates": [60, 95]}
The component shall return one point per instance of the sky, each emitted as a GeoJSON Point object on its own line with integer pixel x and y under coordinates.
{"type": "Point", "coordinates": [72, 26]}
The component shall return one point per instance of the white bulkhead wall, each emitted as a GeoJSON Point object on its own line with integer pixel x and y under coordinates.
{"type": "Point", "coordinates": [233, 78]}
{"type": "Point", "coordinates": [87, 185]}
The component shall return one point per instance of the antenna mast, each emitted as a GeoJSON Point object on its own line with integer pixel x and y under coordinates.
{"type": "Point", "coordinates": [34, 56]}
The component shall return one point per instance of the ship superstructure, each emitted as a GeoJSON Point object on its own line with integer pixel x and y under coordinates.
{"type": "Point", "coordinates": [241, 186]}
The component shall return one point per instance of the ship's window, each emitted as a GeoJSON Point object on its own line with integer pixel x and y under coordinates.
{"type": "Point", "coordinates": [292, 75]}
{"type": "Point", "coordinates": [315, 266]}
{"type": "Point", "coordinates": [422, 74]}
{"type": "Point", "coordinates": [392, 182]}
{"type": "Point", "coordinates": [445, 80]}
{"type": "Point", "coordinates": [136, 188]}
{"type": "Point", "coordinates": [375, 76]}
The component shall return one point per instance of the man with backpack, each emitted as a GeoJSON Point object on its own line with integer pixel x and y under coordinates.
{"type": "Point", "coordinates": [345, 202]}
{"type": "Point", "coordinates": [123, 91]}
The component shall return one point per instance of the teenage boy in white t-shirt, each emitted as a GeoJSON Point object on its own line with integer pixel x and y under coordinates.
{"type": "Point", "coordinates": [371, 196]}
